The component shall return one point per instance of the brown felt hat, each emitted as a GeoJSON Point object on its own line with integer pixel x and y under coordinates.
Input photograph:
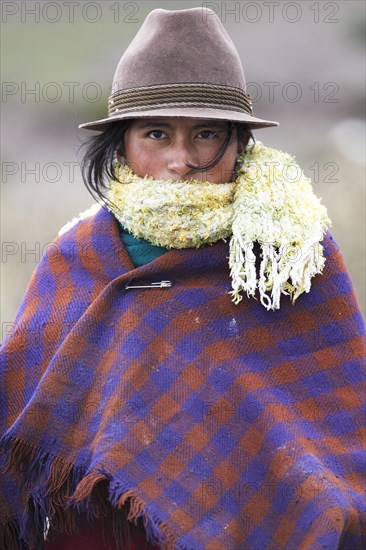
{"type": "Point", "coordinates": [180, 64]}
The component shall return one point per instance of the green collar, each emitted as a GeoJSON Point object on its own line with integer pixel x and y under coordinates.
{"type": "Point", "coordinates": [141, 252]}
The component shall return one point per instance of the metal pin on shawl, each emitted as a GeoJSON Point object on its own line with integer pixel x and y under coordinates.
{"type": "Point", "coordinates": [161, 284]}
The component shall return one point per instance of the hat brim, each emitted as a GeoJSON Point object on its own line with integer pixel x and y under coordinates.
{"type": "Point", "coordinates": [215, 114]}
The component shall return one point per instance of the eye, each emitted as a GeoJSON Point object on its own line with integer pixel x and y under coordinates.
{"type": "Point", "coordinates": [155, 134]}
{"type": "Point", "coordinates": [208, 134]}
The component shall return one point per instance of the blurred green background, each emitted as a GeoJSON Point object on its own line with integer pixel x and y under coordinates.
{"type": "Point", "coordinates": [304, 65]}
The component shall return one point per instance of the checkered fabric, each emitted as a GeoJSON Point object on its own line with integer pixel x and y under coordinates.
{"type": "Point", "coordinates": [222, 426]}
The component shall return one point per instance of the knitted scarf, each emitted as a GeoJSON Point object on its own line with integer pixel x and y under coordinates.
{"type": "Point", "coordinates": [219, 426]}
{"type": "Point", "coordinates": [270, 203]}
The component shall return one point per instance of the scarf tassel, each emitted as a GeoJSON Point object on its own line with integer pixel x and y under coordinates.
{"type": "Point", "coordinates": [284, 270]}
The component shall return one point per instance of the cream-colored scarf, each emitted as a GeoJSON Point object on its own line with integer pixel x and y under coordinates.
{"type": "Point", "coordinates": [270, 203]}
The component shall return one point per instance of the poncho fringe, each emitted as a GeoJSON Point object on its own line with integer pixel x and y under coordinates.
{"type": "Point", "coordinates": [58, 506]}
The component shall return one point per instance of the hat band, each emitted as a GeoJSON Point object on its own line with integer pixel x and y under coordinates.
{"type": "Point", "coordinates": [179, 95]}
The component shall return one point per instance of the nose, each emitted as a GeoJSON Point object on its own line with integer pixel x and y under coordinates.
{"type": "Point", "coordinates": [181, 154]}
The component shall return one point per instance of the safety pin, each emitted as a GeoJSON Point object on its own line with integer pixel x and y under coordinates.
{"type": "Point", "coordinates": [161, 284]}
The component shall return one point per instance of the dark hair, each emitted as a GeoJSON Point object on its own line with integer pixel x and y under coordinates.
{"type": "Point", "coordinates": [97, 163]}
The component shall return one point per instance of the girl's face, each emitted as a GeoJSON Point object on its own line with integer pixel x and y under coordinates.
{"type": "Point", "coordinates": [161, 147]}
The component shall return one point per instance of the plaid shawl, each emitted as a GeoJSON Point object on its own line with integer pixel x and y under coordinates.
{"type": "Point", "coordinates": [220, 426]}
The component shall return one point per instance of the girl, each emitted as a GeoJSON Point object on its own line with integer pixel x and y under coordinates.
{"type": "Point", "coordinates": [185, 369]}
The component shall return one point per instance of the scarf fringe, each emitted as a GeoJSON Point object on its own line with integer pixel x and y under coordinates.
{"type": "Point", "coordinates": [64, 494]}
{"type": "Point", "coordinates": [278, 273]}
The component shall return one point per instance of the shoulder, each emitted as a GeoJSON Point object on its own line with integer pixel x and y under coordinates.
{"type": "Point", "coordinates": [88, 242]}
{"type": "Point", "coordinates": [330, 245]}
{"type": "Point", "coordinates": [93, 228]}
{"type": "Point", "coordinates": [89, 213]}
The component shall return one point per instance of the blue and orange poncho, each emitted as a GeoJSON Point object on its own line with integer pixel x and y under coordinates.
{"type": "Point", "coordinates": [221, 426]}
